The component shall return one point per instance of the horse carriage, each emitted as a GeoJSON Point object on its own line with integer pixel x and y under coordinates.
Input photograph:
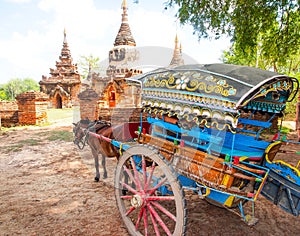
{"type": "Point", "coordinates": [207, 131]}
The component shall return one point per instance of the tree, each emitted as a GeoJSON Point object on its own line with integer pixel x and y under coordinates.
{"type": "Point", "coordinates": [29, 84]}
{"type": "Point", "coordinates": [262, 60]}
{"type": "Point", "coordinates": [87, 63]}
{"type": "Point", "coordinates": [2, 92]}
{"type": "Point", "coordinates": [10, 90]}
{"type": "Point", "coordinates": [247, 22]}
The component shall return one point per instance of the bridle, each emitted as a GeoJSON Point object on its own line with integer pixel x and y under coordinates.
{"type": "Point", "coordinates": [82, 141]}
{"type": "Point", "coordinates": [92, 127]}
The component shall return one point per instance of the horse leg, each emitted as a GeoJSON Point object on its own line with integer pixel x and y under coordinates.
{"type": "Point", "coordinates": [103, 163]}
{"type": "Point", "coordinates": [96, 158]}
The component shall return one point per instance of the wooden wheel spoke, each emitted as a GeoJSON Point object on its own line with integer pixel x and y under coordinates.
{"type": "Point", "coordinates": [151, 191]}
{"type": "Point", "coordinates": [159, 220]}
{"type": "Point", "coordinates": [155, 226]}
{"type": "Point", "coordinates": [145, 221]}
{"type": "Point", "coordinates": [126, 197]}
{"type": "Point", "coordinates": [160, 198]}
{"type": "Point", "coordinates": [150, 176]}
{"type": "Point", "coordinates": [139, 219]}
{"type": "Point", "coordinates": [130, 175]}
{"type": "Point", "coordinates": [136, 175]}
{"type": "Point", "coordinates": [130, 210]}
{"type": "Point", "coordinates": [164, 210]}
{"type": "Point", "coordinates": [129, 188]}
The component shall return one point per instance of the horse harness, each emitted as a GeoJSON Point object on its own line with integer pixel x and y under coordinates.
{"type": "Point", "coordinates": [92, 128]}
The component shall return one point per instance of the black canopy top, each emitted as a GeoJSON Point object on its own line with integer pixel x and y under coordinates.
{"type": "Point", "coordinates": [216, 90]}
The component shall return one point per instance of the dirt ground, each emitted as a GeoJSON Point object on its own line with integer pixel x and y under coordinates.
{"type": "Point", "coordinates": [47, 188]}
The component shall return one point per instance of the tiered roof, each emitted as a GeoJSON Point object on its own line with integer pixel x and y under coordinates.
{"type": "Point", "coordinates": [65, 70]}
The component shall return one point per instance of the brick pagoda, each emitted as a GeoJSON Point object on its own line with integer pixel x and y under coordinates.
{"type": "Point", "coordinates": [64, 82]}
{"type": "Point", "coordinates": [123, 58]}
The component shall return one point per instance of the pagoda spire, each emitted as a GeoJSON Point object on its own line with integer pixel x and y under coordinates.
{"type": "Point", "coordinates": [177, 59]}
{"type": "Point", "coordinates": [65, 36]}
{"type": "Point", "coordinates": [124, 36]}
{"type": "Point", "coordinates": [124, 15]}
{"type": "Point", "coordinates": [65, 51]}
{"type": "Point", "coordinates": [176, 42]}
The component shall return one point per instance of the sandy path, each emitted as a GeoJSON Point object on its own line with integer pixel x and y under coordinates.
{"type": "Point", "coordinates": [48, 189]}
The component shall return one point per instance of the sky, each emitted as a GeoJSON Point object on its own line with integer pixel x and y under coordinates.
{"type": "Point", "coordinates": [31, 33]}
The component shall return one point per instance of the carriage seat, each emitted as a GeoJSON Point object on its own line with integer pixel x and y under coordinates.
{"type": "Point", "coordinates": [261, 125]}
{"type": "Point", "coordinates": [194, 137]}
{"type": "Point", "coordinates": [244, 145]}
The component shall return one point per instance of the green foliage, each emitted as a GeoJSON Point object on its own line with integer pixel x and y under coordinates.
{"type": "Point", "coordinates": [274, 24]}
{"type": "Point", "coordinates": [285, 130]}
{"type": "Point", "coordinates": [291, 106]}
{"type": "Point", "coordinates": [276, 45]}
{"type": "Point", "coordinates": [10, 90]}
{"type": "Point", "coordinates": [29, 84]}
{"type": "Point", "coordinates": [88, 63]}
{"type": "Point", "coordinates": [2, 92]}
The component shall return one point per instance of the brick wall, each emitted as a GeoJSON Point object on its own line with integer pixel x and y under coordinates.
{"type": "Point", "coordinates": [121, 115]}
{"type": "Point", "coordinates": [89, 107]}
{"type": "Point", "coordinates": [32, 108]}
{"type": "Point", "coordinates": [9, 113]}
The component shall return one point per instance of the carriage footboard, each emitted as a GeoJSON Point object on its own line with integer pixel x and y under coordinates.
{"type": "Point", "coordinates": [283, 186]}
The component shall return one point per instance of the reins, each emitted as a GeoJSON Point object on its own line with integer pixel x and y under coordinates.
{"type": "Point", "coordinates": [88, 131]}
{"type": "Point", "coordinates": [85, 137]}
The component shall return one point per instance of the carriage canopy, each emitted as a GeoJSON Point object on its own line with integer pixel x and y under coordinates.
{"type": "Point", "coordinates": [215, 92]}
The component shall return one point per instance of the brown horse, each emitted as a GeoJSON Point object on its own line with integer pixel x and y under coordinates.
{"type": "Point", "coordinates": [83, 134]}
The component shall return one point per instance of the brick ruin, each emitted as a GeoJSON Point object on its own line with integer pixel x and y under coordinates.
{"type": "Point", "coordinates": [30, 108]}
{"type": "Point", "coordinates": [89, 108]}
{"type": "Point", "coordinates": [8, 113]}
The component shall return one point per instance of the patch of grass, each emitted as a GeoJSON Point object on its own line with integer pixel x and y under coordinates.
{"type": "Point", "coordinates": [13, 148]}
{"type": "Point", "coordinates": [58, 114]}
{"type": "Point", "coordinates": [60, 135]}
{"type": "Point", "coordinates": [30, 142]}
{"type": "Point", "coordinates": [19, 145]}
{"type": "Point", "coordinates": [38, 139]}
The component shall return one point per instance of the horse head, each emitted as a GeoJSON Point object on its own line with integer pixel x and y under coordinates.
{"type": "Point", "coordinates": [80, 133]}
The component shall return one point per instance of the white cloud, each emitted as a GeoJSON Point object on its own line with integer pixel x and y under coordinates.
{"type": "Point", "coordinates": [85, 25]}
{"type": "Point", "coordinates": [91, 30]}
{"type": "Point", "coordinates": [19, 1]}
{"type": "Point", "coordinates": [37, 51]}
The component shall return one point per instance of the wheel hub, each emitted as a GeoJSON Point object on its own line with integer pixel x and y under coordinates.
{"type": "Point", "coordinates": [137, 201]}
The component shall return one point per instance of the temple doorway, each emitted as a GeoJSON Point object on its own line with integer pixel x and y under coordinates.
{"type": "Point", "coordinates": [58, 102]}
{"type": "Point", "coordinates": [112, 97]}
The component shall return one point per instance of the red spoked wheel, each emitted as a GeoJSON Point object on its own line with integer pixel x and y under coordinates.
{"type": "Point", "coordinates": [148, 194]}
